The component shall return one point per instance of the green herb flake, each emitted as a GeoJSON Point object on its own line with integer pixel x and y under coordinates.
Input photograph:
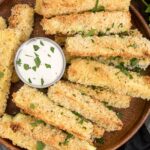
{"type": "Point", "coordinates": [49, 55]}
{"type": "Point", "coordinates": [34, 68]}
{"type": "Point", "coordinates": [107, 105]}
{"type": "Point", "coordinates": [37, 122]}
{"type": "Point", "coordinates": [81, 119]}
{"type": "Point", "coordinates": [100, 140]}
{"type": "Point", "coordinates": [32, 106]}
{"type": "Point", "coordinates": [52, 49]}
{"type": "Point", "coordinates": [47, 65]}
{"type": "Point", "coordinates": [120, 115]}
{"type": "Point", "coordinates": [120, 25]}
{"type": "Point", "coordinates": [37, 61]}
{"type": "Point", "coordinates": [134, 45]}
{"type": "Point", "coordinates": [66, 141]}
{"type": "Point", "coordinates": [134, 62]}
{"type": "Point", "coordinates": [29, 80]}
{"type": "Point", "coordinates": [122, 68]}
{"type": "Point", "coordinates": [42, 81]}
{"type": "Point", "coordinates": [40, 145]}
{"type": "Point", "coordinates": [41, 42]}
{"type": "Point", "coordinates": [18, 62]}
{"type": "Point", "coordinates": [26, 66]}
{"type": "Point", "coordinates": [36, 47]}
{"type": "Point", "coordinates": [97, 7]}
{"type": "Point", "coordinates": [1, 74]}
{"type": "Point", "coordinates": [91, 32]}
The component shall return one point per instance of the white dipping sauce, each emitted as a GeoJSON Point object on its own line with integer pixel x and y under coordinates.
{"type": "Point", "coordinates": [40, 62]}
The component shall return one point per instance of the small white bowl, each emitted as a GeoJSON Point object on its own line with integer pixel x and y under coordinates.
{"type": "Point", "coordinates": [21, 49]}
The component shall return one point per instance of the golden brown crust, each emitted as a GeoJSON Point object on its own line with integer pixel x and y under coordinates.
{"type": "Point", "coordinates": [3, 24]}
{"type": "Point", "coordinates": [99, 22]}
{"type": "Point", "coordinates": [51, 113]}
{"type": "Point", "coordinates": [97, 74]}
{"type": "Point", "coordinates": [106, 46]}
{"type": "Point", "coordinates": [60, 7]}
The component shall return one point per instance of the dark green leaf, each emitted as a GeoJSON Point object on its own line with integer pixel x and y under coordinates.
{"type": "Point", "coordinates": [91, 32]}
{"type": "Point", "coordinates": [41, 43]}
{"type": "Point", "coordinates": [1, 74]}
{"type": "Point", "coordinates": [29, 80]}
{"type": "Point", "coordinates": [32, 106]}
{"type": "Point", "coordinates": [47, 65]}
{"type": "Point", "coordinates": [34, 68]}
{"type": "Point", "coordinates": [148, 9]}
{"type": "Point", "coordinates": [42, 81]}
{"type": "Point", "coordinates": [26, 66]}
{"type": "Point", "coordinates": [37, 61]}
{"type": "Point", "coordinates": [52, 49]}
{"type": "Point", "coordinates": [120, 115]}
{"type": "Point", "coordinates": [134, 62]}
{"type": "Point", "coordinates": [37, 122]}
{"type": "Point", "coordinates": [36, 47]}
{"type": "Point", "coordinates": [97, 7]}
{"type": "Point", "coordinates": [68, 137]}
{"type": "Point", "coordinates": [18, 62]}
{"type": "Point", "coordinates": [40, 145]}
{"type": "Point", "coordinates": [100, 140]}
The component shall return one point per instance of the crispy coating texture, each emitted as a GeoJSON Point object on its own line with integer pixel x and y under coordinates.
{"type": "Point", "coordinates": [106, 46]}
{"type": "Point", "coordinates": [22, 18]}
{"type": "Point", "coordinates": [48, 134]}
{"type": "Point", "coordinates": [59, 7]}
{"type": "Point", "coordinates": [103, 95]}
{"type": "Point", "coordinates": [50, 112]}
{"type": "Point", "coordinates": [100, 22]}
{"type": "Point", "coordinates": [3, 24]}
{"type": "Point", "coordinates": [9, 42]}
{"type": "Point", "coordinates": [67, 95]}
{"type": "Point", "coordinates": [17, 137]}
{"type": "Point", "coordinates": [97, 74]}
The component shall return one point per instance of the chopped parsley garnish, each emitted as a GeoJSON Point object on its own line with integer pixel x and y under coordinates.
{"type": "Point", "coordinates": [42, 81]}
{"type": "Point", "coordinates": [49, 55]}
{"type": "Point", "coordinates": [1, 74]}
{"type": "Point", "coordinates": [18, 62]}
{"type": "Point", "coordinates": [91, 32]}
{"type": "Point", "coordinates": [134, 62]}
{"type": "Point", "coordinates": [36, 47]}
{"type": "Point", "coordinates": [119, 114]}
{"type": "Point", "coordinates": [26, 66]}
{"type": "Point", "coordinates": [40, 145]}
{"type": "Point", "coordinates": [37, 60]}
{"type": "Point", "coordinates": [97, 7]}
{"type": "Point", "coordinates": [134, 45]}
{"type": "Point", "coordinates": [107, 105]}
{"type": "Point", "coordinates": [68, 137]}
{"type": "Point", "coordinates": [34, 68]}
{"type": "Point", "coordinates": [29, 80]}
{"type": "Point", "coordinates": [81, 119]}
{"type": "Point", "coordinates": [123, 69]}
{"type": "Point", "coordinates": [47, 65]}
{"type": "Point", "coordinates": [100, 140]}
{"type": "Point", "coordinates": [41, 43]}
{"type": "Point", "coordinates": [120, 25]}
{"type": "Point", "coordinates": [32, 106]}
{"type": "Point", "coordinates": [52, 49]}
{"type": "Point", "coordinates": [37, 122]}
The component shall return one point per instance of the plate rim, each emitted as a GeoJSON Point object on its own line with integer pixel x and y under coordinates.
{"type": "Point", "coordinates": [144, 115]}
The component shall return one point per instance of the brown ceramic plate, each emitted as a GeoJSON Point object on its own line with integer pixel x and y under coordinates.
{"type": "Point", "coordinates": [133, 117]}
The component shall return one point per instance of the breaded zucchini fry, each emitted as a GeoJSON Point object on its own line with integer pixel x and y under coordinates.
{"type": "Point", "coordinates": [103, 95]}
{"type": "Point", "coordinates": [3, 24]}
{"type": "Point", "coordinates": [67, 95]}
{"type": "Point", "coordinates": [14, 78]}
{"type": "Point", "coordinates": [22, 18]}
{"type": "Point", "coordinates": [50, 135]}
{"type": "Point", "coordinates": [127, 47]}
{"type": "Point", "coordinates": [59, 7]}
{"type": "Point", "coordinates": [18, 138]}
{"type": "Point", "coordinates": [97, 23]}
{"type": "Point", "coordinates": [52, 114]}
{"type": "Point", "coordinates": [9, 41]}
{"type": "Point", "coordinates": [116, 79]}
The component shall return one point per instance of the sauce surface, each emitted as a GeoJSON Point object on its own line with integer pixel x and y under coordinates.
{"type": "Point", "coordinates": [40, 62]}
